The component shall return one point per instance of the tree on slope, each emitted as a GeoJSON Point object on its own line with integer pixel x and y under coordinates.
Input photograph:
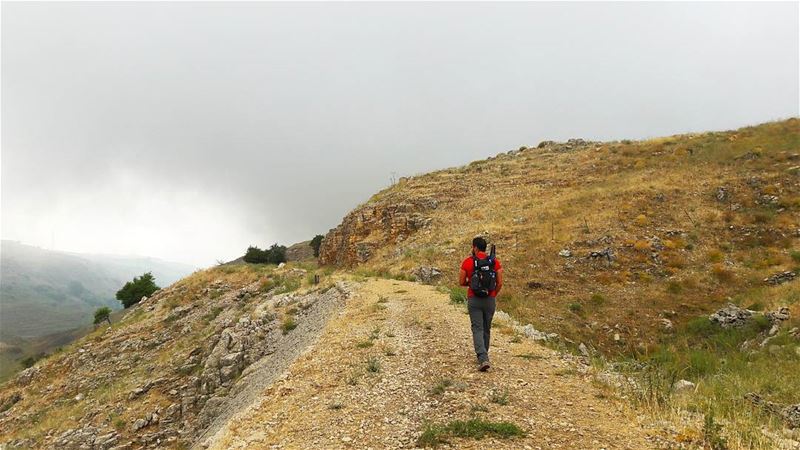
{"type": "Point", "coordinates": [101, 314]}
{"type": "Point", "coordinates": [315, 243]}
{"type": "Point", "coordinates": [133, 291]}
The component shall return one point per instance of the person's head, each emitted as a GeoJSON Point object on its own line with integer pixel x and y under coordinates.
{"type": "Point", "coordinates": [479, 244]}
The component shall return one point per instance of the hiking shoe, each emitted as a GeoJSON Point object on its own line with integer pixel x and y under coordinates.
{"type": "Point", "coordinates": [484, 366]}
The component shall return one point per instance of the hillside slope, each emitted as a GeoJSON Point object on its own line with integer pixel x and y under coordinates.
{"type": "Point", "coordinates": [610, 243]}
{"type": "Point", "coordinates": [173, 365]}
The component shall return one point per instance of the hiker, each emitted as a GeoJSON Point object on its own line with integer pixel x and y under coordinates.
{"type": "Point", "coordinates": [483, 276]}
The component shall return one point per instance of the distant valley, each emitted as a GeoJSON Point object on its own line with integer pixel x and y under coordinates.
{"type": "Point", "coordinates": [46, 296]}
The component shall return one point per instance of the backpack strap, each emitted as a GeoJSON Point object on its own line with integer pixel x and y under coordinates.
{"type": "Point", "coordinates": [474, 261]}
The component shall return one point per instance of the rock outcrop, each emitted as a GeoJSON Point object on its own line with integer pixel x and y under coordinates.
{"type": "Point", "coordinates": [372, 226]}
{"type": "Point", "coordinates": [731, 316]}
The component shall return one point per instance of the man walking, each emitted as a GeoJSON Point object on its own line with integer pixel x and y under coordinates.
{"type": "Point", "coordinates": [483, 276]}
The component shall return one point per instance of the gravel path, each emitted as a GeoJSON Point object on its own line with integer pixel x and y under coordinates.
{"type": "Point", "coordinates": [369, 382]}
{"type": "Point", "coordinates": [264, 372]}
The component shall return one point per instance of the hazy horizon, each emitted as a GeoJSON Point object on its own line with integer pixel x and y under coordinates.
{"type": "Point", "coordinates": [188, 131]}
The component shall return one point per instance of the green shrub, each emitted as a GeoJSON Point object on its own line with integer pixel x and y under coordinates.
{"type": "Point", "coordinates": [795, 255]}
{"type": "Point", "coordinates": [674, 287]}
{"type": "Point", "coordinates": [276, 254]}
{"type": "Point", "coordinates": [575, 307]}
{"type": "Point", "coordinates": [701, 327]}
{"type": "Point", "coordinates": [458, 295]}
{"type": "Point", "coordinates": [101, 314]}
{"type": "Point", "coordinates": [133, 291]}
{"type": "Point", "coordinates": [597, 300]}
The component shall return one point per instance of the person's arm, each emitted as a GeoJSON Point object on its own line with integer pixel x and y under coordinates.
{"type": "Point", "coordinates": [462, 278]}
{"type": "Point", "coordinates": [499, 281]}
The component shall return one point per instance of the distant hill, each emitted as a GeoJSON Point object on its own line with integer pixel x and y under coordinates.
{"type": "Point", "coordinates": [47, 297]}
{"type": "Point", "coordinates": [44, 291]}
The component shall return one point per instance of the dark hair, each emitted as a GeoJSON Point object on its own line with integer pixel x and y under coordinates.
{"type": "Point", "coordinates": [480, 243]}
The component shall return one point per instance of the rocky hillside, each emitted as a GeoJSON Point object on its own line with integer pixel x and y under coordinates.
{"type": "Point", "coordinates": [610, 243]}
{"type": "Point", "coordinates": [174, 367]}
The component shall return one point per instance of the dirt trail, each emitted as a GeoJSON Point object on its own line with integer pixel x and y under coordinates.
{"type": "Point", "coordinates": [329, 398]}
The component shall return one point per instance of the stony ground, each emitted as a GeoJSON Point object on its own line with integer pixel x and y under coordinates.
{"type": "Point", "coordinates": [329, 397]}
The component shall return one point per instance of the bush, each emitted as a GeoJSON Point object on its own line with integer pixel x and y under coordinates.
{"type": "Point", "coordinates": [316, 243]}
{"type": "Point", "coordinates": [101, 314]}
{"type": "Point", "coordinates": [288, 325]}
{"type": "Point", "coordinates": [276, 254]}
{"type": "Point", "coordinates": [133, 291]}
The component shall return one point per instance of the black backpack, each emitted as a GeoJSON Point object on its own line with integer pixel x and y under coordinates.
{"type": "Point", "coordinates": [484, 277]}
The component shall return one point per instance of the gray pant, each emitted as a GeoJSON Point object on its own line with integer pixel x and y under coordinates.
{"type": "Point", "coordinates": [481, 311]}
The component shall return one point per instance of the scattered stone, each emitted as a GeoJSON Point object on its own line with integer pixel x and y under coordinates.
{"type": "Point", "coordinates": [584, 351]}
{"type": "Point", "coordinates": [139, 424]}
{"type": "Point", "coordinates": [767, 199]}
{"type": "Point", "coordinates": [731, 316]}
{"type": "Point", "coordinates": [79, 397]}
{"type": "Point", "coordinates": [666, 324]}
{"type": "Point", "coordinates": [722, 194]}
{"type": "Point", "coordinates": [606, 253]}
{"type": "Point", "coordinates": [778, 316]}
{"type": "Point", "coordinates": [790, 414]}
{"type": "Point", "coordinates": [427, 274]}
{"type": "Point", "coordinates": [780, 278]}
{"type": "Point", "coordinates": [565, 253]}
{"type": "Point", "coordinates": [683, 386]}
{"type": "Point", "coordinates": [26, 376]}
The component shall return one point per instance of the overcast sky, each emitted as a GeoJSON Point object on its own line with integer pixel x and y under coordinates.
{"type": "Point", "coordinates": [188, 131]}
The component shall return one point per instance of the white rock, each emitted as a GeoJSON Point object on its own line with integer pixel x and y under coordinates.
{"type": "Point", "coordinates": [566, 253]}
{"type": "Point", "coordinates": [683, 385]}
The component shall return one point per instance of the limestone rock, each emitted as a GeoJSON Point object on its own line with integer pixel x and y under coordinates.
{"type": "Point", "coordinates": [780, 278]}
{"type": "Point", "coordinates": [731, 316]}
{"type": "Point", "coordinates": [427, 274]}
